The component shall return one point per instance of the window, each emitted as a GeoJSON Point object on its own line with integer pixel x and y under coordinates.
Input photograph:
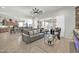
{"type": "Point", "coordinates": [20, 24]}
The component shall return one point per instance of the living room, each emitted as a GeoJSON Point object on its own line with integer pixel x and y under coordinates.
{"type": "Point", "coordinates": [27, 29]}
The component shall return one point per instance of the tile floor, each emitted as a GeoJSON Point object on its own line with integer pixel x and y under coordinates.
{"type": "Point", "coordinates": [12, 43]}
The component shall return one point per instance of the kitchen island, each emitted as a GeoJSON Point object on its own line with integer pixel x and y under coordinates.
{"type": "Point", "coordinates": [4, 29]}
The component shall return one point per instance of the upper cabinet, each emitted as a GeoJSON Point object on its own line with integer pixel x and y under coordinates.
{"type": "Point", "coordinates": [77, 18]}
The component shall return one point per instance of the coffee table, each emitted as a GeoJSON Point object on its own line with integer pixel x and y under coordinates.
{"type": "Point", "coordinates": [49, 39]}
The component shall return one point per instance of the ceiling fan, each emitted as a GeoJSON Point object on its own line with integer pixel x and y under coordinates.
{"type": "Point", "coordinates": [36, 11]}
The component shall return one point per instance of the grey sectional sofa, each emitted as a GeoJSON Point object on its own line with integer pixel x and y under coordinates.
{"type": "Point", "coordinates": [29, 36]}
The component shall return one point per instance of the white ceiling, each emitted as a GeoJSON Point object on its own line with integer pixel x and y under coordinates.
{"type": "Point", "coordinates": [25, 11]}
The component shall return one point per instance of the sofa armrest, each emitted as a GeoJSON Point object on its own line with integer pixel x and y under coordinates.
{"type": "Point", "coordinates": [26, 38]}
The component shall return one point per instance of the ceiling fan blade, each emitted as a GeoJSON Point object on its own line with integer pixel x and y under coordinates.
{"type": "Point", "coordinates": [33, 10]}
{"type": "Point", "coordinates": [37, 10]}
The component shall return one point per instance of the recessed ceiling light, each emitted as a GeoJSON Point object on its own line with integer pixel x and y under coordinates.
{"type": "Point", "coordinates": [2, 7]}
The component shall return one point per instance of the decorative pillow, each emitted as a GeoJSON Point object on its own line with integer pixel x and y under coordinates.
{"type": "Point", "coordinates": [35, 31]}
{"type": "Point", "coordinates": [31, 33]}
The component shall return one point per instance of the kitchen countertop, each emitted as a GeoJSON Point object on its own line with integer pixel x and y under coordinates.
{"type": "Point", "coordinates": [3, 26]}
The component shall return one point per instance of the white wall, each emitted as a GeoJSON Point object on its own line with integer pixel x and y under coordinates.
{"type": "Point", "coordinates": [69, 16]}
{"type": "Point", "coordinates": [34, 24]}
{"type": "Point", "coordinates": [60, 22]}
{"type": "Point", "coordinates": [69, 13]}
{"type": "Point", "coordinates": [69, 22]}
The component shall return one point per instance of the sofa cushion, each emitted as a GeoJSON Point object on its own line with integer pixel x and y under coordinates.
{"type": "Point", "coordinates": [36, 35]}
{"type": "Point", "coordinates": [31, 32]}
